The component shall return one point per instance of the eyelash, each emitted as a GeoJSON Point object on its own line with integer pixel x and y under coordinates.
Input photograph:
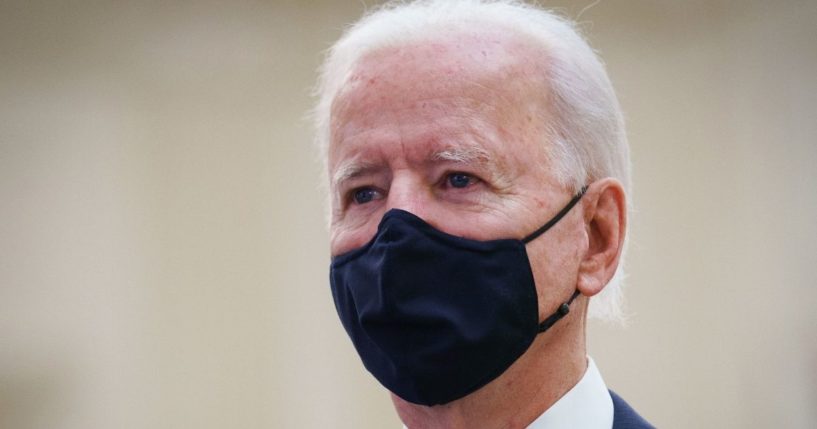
{"type": "Point", "coordinates": [472, 179]}
{"type": "Point", "coordinates": [353, 195]}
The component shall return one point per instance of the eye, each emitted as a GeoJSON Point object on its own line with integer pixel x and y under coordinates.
{"type": "Point", "coordinates": [365, 195]}
{"type": "Point", "coordinates": [460, 180]}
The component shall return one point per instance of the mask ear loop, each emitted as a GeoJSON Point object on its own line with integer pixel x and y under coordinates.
{"type": "Point", "coordinates": [563, 309]}
{"type": "Point", "coordinates": [556, 218]}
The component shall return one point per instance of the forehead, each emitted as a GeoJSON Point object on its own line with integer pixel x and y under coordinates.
{"type": "Point", "coordinates": [460, 87]}
{"type": "Point", "coordinates": [428, 67]}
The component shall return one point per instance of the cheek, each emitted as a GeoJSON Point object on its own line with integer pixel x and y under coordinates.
{"type": "Point", "coordinates": [555, 268]}
{"type": "Point", "coordinates": [344, 238]}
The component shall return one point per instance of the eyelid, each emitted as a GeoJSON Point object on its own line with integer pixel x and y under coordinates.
{"type": "Point", "coordinates": [347, 188]}
{"type": "Point", "coordinates": [474, 177]}
{"type": "Point", "coordinates": [349, 196]}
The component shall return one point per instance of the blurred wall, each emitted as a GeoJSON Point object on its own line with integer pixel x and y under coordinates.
{"type": "Point", "coordinates": [163, 256]}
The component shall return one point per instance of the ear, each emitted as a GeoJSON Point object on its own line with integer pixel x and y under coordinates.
{"type": "Point", "coordinates": [605, 218]}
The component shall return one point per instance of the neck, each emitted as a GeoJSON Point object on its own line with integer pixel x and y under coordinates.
{"type": "Point", "coordinates": [553, 364]}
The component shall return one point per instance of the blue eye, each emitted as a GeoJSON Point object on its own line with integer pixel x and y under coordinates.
{"type": "Point", "coordinates": [459, 180]}
{"type": "Point", "coordinates": [364, 195]}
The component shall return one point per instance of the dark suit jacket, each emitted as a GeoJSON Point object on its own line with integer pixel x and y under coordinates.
{"type": "Point", "coordinates": [624, 417]}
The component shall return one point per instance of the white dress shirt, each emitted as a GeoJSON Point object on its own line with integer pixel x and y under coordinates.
{"type": "Point", "coordinates": [586, 406]}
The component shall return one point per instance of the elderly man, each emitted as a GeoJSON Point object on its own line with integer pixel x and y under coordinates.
{"type": "Point", "coordinates": [478, 175]}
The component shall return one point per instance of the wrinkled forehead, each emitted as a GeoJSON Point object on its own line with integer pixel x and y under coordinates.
{"type": "Point", "coordinates": [440, 61]}
{"type": "Point", "coordinates": [484, 71]}
{"type": "Point", "coordinates": [462, 55]}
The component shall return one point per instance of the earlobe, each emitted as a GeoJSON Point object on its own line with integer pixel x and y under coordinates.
{"type": "Point", "coordinates": [606, 226]}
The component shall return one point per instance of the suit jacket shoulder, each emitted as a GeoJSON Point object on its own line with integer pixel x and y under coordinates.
{"type": "Point", "coordinates": [624, 417]}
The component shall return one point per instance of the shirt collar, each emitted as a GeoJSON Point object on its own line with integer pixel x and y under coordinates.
{"type": "Point", "coordinates": [586, 406]}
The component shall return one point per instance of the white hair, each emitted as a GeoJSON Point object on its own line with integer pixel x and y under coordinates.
{"type": "Point", "coordinates": [587, 136]}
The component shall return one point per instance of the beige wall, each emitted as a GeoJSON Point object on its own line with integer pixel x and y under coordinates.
{"type": "Point", "coordinates": [163, 258]}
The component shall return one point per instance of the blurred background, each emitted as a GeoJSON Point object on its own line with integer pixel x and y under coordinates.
{"type": "Point", "coordinates": [163, 252]}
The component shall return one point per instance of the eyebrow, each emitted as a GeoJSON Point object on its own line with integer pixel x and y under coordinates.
{"type": "Point", "coordinates": [458, 155]}
{"type": "Point", "coordinates": [350, 170]}
{"type": "Point", "coordinates": [468, 155]}
{"type": "Point", "coordinates": [474, 155]}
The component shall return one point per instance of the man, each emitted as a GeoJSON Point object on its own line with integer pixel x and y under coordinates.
{"type": "Point", "coordinates": [478, 175]}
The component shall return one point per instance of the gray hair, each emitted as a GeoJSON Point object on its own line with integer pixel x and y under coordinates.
{"type": "Point", "coordinates": [587, 136]}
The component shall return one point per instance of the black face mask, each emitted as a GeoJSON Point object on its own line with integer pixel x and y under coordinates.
{"type": "Point", "coordinates": [433, 316]}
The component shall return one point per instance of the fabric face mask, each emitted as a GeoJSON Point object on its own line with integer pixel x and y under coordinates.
{"type": "Point", "coordinates": [433, 316]}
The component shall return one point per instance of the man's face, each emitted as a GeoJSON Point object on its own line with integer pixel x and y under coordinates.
{"type": "Point", "coordinates": [453, 132]}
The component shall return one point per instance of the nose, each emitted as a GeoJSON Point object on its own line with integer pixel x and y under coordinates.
{"type": "Point", "coordinates": [411, 194]}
